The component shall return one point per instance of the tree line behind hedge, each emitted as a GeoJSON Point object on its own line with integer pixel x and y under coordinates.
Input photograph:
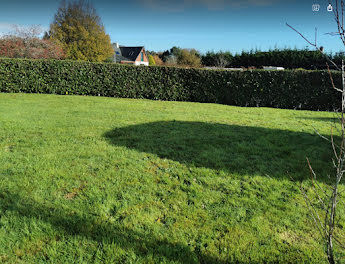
{"type": "Point", "coordinates": [287, 58]}
{"type": "Point", "coordinates": [281, 89]}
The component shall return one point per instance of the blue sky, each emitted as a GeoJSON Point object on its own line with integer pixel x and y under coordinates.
{"type": "Point", "coordinates": [207, 25]}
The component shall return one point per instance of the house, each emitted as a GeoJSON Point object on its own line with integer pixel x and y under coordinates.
{"type": "Point", "coordinates": [273, 68]}
{"type": "Point", "coordinates": [130, 55]}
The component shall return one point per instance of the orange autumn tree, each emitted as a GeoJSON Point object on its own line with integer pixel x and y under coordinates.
{"type": "Point", "coordinates": [24, 42]}
{"type": "Point", "coordinates": [158, 60]}
{"type": "Point", "coordinates": [79, 30]}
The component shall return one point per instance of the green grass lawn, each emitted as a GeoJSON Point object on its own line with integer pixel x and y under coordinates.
{"type": "Point", "coordinates": [104, 180]}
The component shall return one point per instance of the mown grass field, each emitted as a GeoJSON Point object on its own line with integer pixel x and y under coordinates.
{"type": "Point", "coordinates": [104, 180]}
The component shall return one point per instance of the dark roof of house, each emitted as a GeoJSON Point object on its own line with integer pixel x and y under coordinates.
{"type": "Point", "coordinates": [130, 53]}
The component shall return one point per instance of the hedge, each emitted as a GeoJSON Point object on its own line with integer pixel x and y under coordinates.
{"type": "Point", "coordinates": [309, 90]}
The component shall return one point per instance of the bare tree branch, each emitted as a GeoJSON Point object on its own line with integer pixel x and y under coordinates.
{"type": "Point", "coordinates": [328, 199]}
{"type": "Point", "coordinates": [316, 47]}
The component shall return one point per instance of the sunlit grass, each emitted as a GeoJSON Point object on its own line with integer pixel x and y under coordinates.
{"type": "Point", "coordinates": [104, 180]}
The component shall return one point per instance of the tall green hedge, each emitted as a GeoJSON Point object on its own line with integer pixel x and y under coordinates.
{"type": "Point", "coordinates": [282, 89]}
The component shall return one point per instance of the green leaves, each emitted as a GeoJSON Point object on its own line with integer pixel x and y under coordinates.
{"type": "Point", "coordinates": [311, 90]}
{"type": "Point", "coordinates": [79, 30]}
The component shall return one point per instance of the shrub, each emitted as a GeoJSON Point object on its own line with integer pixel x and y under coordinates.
{"type": "Point", "coordinates": [151, 60]}
{"type": "Point", "coordinates": [282, 89]}
{"type": "Point", "coordinates": [189, 58]}
{"type": "Point", "coordinates": [33, 48]}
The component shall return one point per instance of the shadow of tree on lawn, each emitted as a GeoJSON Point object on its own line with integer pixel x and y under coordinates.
{"type": "Point", "coordinates": [236, 149]}
{"type": "Point", "coordinates": [89, 226]}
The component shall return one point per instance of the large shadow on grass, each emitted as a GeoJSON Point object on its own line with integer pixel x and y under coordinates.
{"type": "Point", "coordinates": [236, 149]}
{"type": "Point", "coordinates": [95, 228]}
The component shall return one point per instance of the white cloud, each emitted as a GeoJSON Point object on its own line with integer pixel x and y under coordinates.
{"type": "Point", "coordinates": [165, 5]}
{"type": "Point", "coordinates": [180, 5]}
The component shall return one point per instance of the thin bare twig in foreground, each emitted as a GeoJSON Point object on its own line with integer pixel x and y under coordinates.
{"type": "Point", "coordinates": [328, 199]}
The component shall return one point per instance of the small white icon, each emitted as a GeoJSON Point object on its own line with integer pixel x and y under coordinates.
{"type": "Point", "coordinates": [315, 7]}
{"type": "Point", "coordinates": [329, 8]}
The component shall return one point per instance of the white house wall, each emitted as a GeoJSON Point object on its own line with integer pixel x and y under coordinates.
{"type": "Point", "coordinates": [142, 63]}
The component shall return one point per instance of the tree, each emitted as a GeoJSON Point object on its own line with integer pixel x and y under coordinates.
{"type": "Point", "coordinates": [175, 51]}
{"type": "Point", "coordinates": [151, 60]}
{"type": "Point", "coordinates": [219, 59]}
{"type": "Point", "coordinates": [79, 30]}
{"type": "Point", "coordinates": [189, 58]}
{"type": "Point", "coordinates": [170, 56]}
{"type": "Point", "coordinates": [327, 198]}
{"type": "Point", "coordinates": [24, 42]}
{"type": "Point", "coordinates": [158, 60]}
{"type": "Point", "coordinates": [171, 60]}
{"type": "Point", "coordinates": [164, 55]}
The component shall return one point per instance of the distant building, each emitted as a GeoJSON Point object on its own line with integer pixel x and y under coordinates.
{"type": "Point", "coordinates": [273, 68]}
{"type": "Point", "coordinates": [130, 55]}
{"type": "Point", "coordinates": [225, 69]}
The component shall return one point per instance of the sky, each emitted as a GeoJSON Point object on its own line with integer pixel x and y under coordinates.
{"type": "Point", "coordinates": [206, 25]}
